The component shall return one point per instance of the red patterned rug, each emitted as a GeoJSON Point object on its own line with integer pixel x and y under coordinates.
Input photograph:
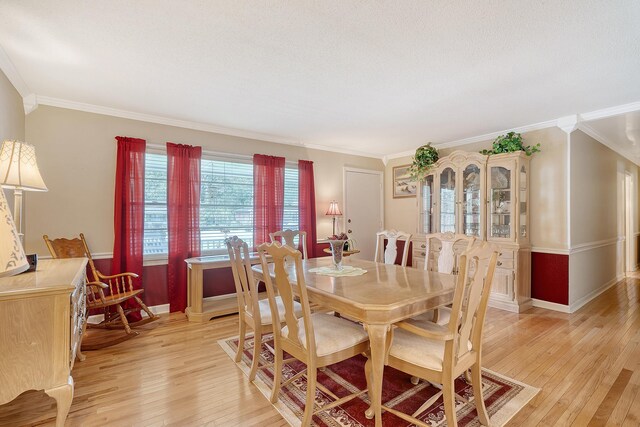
{"type": "Point", "coordinates": [504, 397]}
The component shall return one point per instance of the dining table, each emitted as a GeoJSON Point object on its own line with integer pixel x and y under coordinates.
{"type": "Point", "coordinates": [384, 295]}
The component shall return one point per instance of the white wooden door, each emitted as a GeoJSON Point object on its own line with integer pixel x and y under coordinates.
{"type": "Point", "coordinates": [363, 209]}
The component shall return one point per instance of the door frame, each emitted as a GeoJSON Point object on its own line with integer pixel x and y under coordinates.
{"type": "Point", "coordinates": [345, 170]}
{"type": "Point", "coordinates": [629, 234]}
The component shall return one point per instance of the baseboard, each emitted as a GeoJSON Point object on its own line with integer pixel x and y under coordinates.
{"type": "Point", "coordinates": [594, 294]}
{"type": "Point", "coordinates": [155, 309]}
{"type": "Point", "coordinates": [550, 305]}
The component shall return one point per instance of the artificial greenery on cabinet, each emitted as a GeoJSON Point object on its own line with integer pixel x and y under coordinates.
{"type": "Point", "coordinates": [424, 158]}
{"type": "Point", "coordinates": [509, 143]}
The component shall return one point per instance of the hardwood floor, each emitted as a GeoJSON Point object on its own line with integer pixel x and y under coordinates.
{"type": "Point", "coordinates": [586, 363]}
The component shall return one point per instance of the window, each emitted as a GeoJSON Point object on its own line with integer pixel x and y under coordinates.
{"type": "Point", "coordinates": [226, 203]}
{"type": "Point", "coordinates": [155, 239]}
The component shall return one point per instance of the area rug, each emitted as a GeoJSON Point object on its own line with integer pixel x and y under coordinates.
{"type": "Point", "coordinates": [504, 397]}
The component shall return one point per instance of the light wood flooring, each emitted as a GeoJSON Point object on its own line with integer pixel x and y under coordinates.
{"type": "Point", "coordinates": [587, 365]}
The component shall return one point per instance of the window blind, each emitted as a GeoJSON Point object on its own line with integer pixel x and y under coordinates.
{"type": "Point", "coordinates": [226, 203]}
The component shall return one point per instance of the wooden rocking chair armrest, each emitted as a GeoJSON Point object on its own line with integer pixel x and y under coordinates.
{"type": "Point", "coordinates": [115, 276]}
{"type": "Point", "coordinates": [99, 285]}
{"type": "Point", "coordinates": [440, 336]}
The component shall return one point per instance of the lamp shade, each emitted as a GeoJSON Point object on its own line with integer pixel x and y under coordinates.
{"type": "Point", "coordinates": [12, 258]}
{"type": "Point", "coordinates": [18, 167]}
{"type": "Point", "coordinates": [333, 210]}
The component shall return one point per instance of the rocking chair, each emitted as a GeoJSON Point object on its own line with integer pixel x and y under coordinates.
{"type": "Point", "coordinates": [119, 287]}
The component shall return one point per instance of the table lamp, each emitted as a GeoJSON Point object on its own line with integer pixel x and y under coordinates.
{"type": "Point", "coordinates": [19, 171]}
{"type": "Point", "coordinates": [334, 211]}
{"type": "Point", "coordinates": [12, 258]}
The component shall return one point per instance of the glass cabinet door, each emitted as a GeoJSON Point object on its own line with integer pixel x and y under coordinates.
{"type": "Point", "coordinates": [448, 200]}
{"type": "Point", "coordinates": [523, 203]}
{"type": "Point", "coordinates": [471, 201]}
{"type": "Point", "coordinates": [426, 208]}
{"type": "Point", "coordinates": [500, 203]}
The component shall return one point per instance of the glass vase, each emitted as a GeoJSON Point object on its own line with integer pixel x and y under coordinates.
{"type": "Point", "coordinates": [337, 246]}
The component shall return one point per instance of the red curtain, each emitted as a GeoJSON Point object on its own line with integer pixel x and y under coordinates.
{"type": "Point", "coordinates": [183, 217]}
{"type": "Point", "coordinates": [307, 204]}
{"type": "Point", "coordinates": [129, 210]}
{"type": "Point", "coordinates": [268, 196]}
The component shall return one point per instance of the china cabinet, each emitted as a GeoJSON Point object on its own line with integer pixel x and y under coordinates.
{"type": "Point", "coordinates": [486, 197]}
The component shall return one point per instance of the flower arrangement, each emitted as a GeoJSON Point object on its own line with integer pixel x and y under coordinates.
{"type": "Point", "coordinates": [424, 158]}
{"type": "Point", "coordinates": [510, 142]}
{"type": "Point", "coordinates": [349, 243]}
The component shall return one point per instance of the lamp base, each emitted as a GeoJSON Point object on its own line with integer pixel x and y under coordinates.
{"type": "Point", "coordinates": [32, 259]}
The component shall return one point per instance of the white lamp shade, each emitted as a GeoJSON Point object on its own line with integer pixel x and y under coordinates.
{"type": "Point", "coordinates": [18, 167]}
{"type": "Point", "coordinates": [333, 209]}
{"type": "Point", "coordinates": [12, 258]}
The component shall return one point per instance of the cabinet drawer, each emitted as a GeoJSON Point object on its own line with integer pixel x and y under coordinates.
{"type": "Point", "coordinates": [506, 254]}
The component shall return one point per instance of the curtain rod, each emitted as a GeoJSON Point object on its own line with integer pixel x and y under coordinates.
{"type": "Point", "coordinates": [163, 148]}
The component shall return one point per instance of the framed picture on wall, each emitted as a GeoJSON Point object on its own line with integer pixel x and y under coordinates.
{"type": "Point", "coordinates": [403, 186]}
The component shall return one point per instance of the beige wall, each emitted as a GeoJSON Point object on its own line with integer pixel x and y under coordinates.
{"type": "Point", "coordinates": [76, 154]}
{"type": "Point", "coordinates": [597, 216]}
{"type": "Point", "coordinates": [399, 214]}
{"type": "Point", "coordinates": [548, 194]}
{"type": "Point", "coordinates": [11, 117]}
{"type": "Point", "coordinates": [597, 203]}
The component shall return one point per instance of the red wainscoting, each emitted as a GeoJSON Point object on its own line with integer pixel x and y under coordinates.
{"type": "Point", "coordinates": [154, 279]}
{"type": "Point", "coordinates": [550, 277]}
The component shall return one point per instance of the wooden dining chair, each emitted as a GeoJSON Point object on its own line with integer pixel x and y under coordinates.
{"type": "Point", "coordinates": [318, 339]}
{"type": "Point", "coordinates": [388, 255]}
{"type": "Point", "coordinates": [440, 354]}
{"type": "Point", "coordinates": [253, 311]}
{"type": "Point", "coordinates": [106, 294]}
{"type": "Point", "coordinates": [287, 238]}
{"type": "Point", "coordinates": [442, 255]}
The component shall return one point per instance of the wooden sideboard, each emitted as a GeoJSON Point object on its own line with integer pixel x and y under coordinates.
{"type": "Point", "coordinates": [199, 308]}
{"type": "Point", "coordinates": [42, 318]}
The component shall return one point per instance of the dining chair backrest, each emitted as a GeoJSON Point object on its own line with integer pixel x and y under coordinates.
{"type": "Point", "coordinates": [246, 287]}
{"type": "Point", "coordinates": [282, 286]}
{"type": "Point", "coordinates": [388, 255]}
{"type": "Point", "coordinates": [470, 300]}
{"type": "Point", "coordinates": [443, 250]}
{"type": "Point", "coordinates": [288, 239]}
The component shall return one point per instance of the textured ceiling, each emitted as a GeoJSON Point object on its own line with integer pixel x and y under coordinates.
{"type": "Point", "coordinates": [378, 77]}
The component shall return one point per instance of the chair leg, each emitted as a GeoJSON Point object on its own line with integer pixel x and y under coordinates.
{"type": "Point", "coordinates": [257, 348]}
{"type": "Point", "coordinates": [241, 334]}
{"type": "Point", "coordinates": [277, 375]}
{"type": "Point", "coordinates": [145, 308]}
{"type": "Point", "coordinates": [123, 319]}
{"type": "Point", "coordinates": [476, 381]}
{"type": "Point", "coordinates": [311, 396]}
{"type": "Point", "coordinates": [448, 391]}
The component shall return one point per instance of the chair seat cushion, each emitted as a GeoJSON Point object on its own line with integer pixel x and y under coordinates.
{"type": "Point", "coordinates": [444, 315]}
{"type": "Point", "coordinates": [418, 350]}
{"type": "Point", "coordinates": [333, 334]}
{"type": "Point", "coordinates": [265, 310]}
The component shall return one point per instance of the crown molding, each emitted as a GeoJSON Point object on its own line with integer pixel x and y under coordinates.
{"type": "Point", "coordinates": [28, 98]}
{"type": "Point", "coordinates": [205, 127]}
{"type": "Point", "coordinates": [584, 127]}
{"type": "Point", "coordinates": [568, 123]}
{"type": "Point", "coordinates": [29, 103]}
{"type": "Point", "coordinates": [611, 111]}
{"type": "Point", "coordinates": [12, 74]}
